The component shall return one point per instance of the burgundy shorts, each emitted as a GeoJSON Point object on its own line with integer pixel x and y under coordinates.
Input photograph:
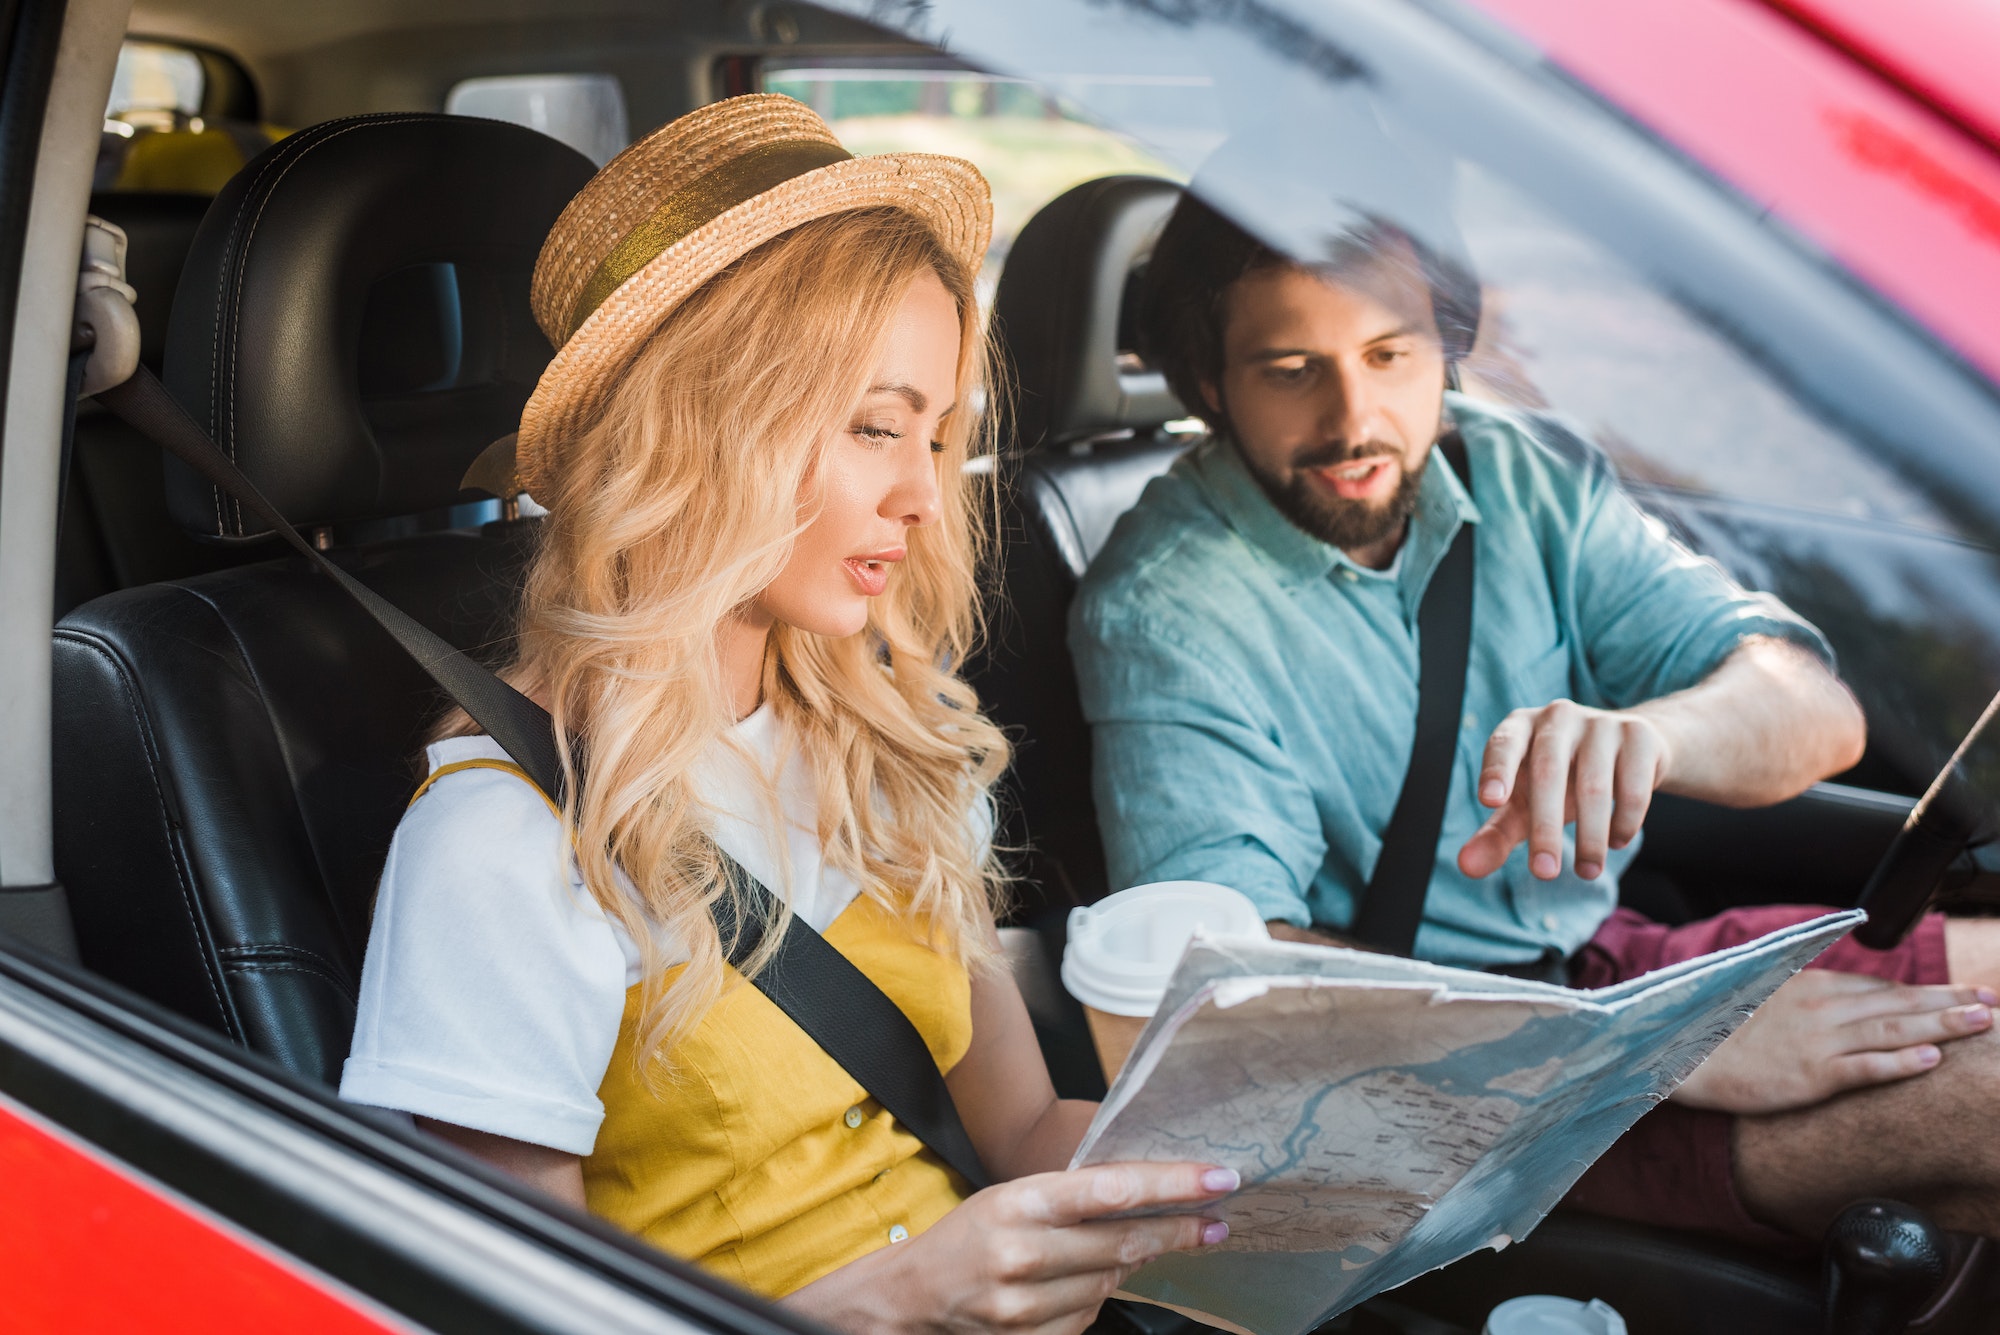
{"type": "Point", "coordinates": [1673, 1168]}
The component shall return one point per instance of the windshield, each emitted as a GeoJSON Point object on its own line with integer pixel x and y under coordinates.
{"type": "Point", "coordinates": [1779, 418]}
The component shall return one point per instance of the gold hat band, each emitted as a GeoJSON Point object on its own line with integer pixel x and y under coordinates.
{"type": "Point", "coordinates": [702, 200]}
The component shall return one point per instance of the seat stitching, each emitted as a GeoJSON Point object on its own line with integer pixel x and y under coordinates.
{"type": "Point", "coordinates": [284, 751]}
{"type": "Point", "coordinates": [203, 944]}
{"type": "Point", "coordinates": [280, 966]}
{"type": "Point", "coordinates": [236, 324]}
{"type": "Point", "coordinates": [280, 948]}
{"type": "Point", "coordinates": [277, 948]}
{"type": "Point", "coordinates": [231, 259]}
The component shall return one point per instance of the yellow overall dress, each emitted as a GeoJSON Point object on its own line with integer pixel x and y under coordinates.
{"type": "Point", "coordinates": [761, 1159]}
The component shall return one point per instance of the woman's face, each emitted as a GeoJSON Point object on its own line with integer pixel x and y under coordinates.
{"type": "Point", "coordinates": [878, 477]}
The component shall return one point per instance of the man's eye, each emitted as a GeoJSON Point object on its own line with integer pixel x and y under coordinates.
{"type": "Point", "coordinates": [1389, 356]}
{"type": "Point", "coordinates": [1287, 375]}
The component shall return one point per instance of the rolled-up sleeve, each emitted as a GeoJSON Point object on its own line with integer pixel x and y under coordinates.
{"type": "Point", "coordinates": [1191, 783]}
{"type": "Point", "coordinates": [1654, 617]}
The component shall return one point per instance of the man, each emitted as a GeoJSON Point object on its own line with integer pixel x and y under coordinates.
{"type": "Point", "coordinates": [1246, 650]}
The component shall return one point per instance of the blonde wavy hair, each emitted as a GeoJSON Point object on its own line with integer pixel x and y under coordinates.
{"type": "Point", "coordinates": [672, 512]}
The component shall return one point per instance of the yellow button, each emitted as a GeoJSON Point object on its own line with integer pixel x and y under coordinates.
{"type": "Point", "coordinates": [853, 1118]}
{"type": "Point", "coordinates": [899, 1234]}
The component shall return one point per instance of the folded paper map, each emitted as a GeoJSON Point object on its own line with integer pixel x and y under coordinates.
{"type": "Point", "coordinates": [1388, 1116]}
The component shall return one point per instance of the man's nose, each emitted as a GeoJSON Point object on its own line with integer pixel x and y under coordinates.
{"type": "Point", "coordinates": [915, 499]}
{"type": "Point", "coordinates": [1352, 412]}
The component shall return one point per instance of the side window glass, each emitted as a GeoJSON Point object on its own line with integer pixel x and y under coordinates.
{"type": "Point", "coordinates": [1707, 439]}
{"type": "Point", "coordinates": [180, 119]}
{"type": "Point", "coordinates": [1031, 145]}
{"type": "Point", "coordinates": [585, 111]}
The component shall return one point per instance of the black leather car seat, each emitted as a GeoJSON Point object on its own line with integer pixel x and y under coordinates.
{"type": "Point", "coordinates": [1088, 432]}
{"type": "Point", "coordinates": [233, 750]}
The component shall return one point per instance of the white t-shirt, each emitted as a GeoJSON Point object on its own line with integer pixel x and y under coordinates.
{"type": "Point", "coordinates": [493, 986]}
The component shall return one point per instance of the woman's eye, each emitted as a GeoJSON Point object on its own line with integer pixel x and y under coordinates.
{"type": "Point", "coordinates": [937, 447]}
{"type": "Point", "coordinates": [868, 431]}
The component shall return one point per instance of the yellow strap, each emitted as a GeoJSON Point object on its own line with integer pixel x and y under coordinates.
{"type": "Point", "coordinates": [507, 765]}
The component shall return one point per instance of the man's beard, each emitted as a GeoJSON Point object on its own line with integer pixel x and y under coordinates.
{"type": "Point", "coordinates": [1340, 523]}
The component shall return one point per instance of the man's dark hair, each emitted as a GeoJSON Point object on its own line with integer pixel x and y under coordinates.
{"type": "Point", "coordinates": [1201, 254]}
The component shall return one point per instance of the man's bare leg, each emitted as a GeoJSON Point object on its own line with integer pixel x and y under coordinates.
{"type": "Point", "coordinates": [1933, 1141]}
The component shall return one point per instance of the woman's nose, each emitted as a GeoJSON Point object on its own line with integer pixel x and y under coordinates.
{"type": "Point", "coordinates": [915, 499]}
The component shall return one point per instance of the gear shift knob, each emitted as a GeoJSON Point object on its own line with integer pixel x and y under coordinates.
{"type": "Point", "coordinates": [1884, 1260]}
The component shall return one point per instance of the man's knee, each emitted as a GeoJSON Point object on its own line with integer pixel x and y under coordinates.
{"type": "Point", "coordinates": [1931, 1141]}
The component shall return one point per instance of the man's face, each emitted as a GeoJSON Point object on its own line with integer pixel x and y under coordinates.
{"type": "Point", "coordinates": [1334, 391]}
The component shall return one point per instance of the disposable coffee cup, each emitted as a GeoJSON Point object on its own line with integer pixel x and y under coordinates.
{"type": "Point", "coordinates": [1541, 1314]}
{"type": "Point", "coordinates": [1123, 949]}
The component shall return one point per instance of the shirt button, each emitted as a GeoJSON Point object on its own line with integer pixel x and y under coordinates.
{"type": "Point", "coordinates": [1348, 574]}
{"type": "Point", "coordinates": [1550, 921]}
{"type": "Point", "coordinates": [853, 1119]}
{"type": "Point", "coordinates": [1471, 719]}
{"type": "Point", "coordinates": [898, 1233]}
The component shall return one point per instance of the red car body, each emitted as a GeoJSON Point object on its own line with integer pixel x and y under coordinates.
{"type": "Point", "coordinates": [1872, 131]}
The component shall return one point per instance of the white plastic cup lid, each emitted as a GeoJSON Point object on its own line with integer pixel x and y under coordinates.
{"type": "Point", "coordinates": [1541, 1314]}
{"type": "Point", "coordinates": [1123, 948]}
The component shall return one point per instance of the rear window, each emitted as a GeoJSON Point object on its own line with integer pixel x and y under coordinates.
{"type": "Point", "coordinates": [156, 87]}
{"type": "Point", "coordinates": [1030, 145]}
{"type": "Point", "coordinates": [585, 111]}
{"type": "Point", "coordinates": [180, 119]}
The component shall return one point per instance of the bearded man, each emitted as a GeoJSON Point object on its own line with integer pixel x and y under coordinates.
{"type": "Point", "coordinates": [1248, 660]}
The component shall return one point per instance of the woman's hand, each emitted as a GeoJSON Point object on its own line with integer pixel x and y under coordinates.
{"type": "Point", "coordinates": [1824, 1033]}
{"type": "Point", "coordinates": [1032, 1255]}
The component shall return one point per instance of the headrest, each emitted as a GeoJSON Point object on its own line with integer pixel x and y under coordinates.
{"type": "Point", "coordinates": [352, 326]}
{"type": "Point", "coordinates": [1065, 319]}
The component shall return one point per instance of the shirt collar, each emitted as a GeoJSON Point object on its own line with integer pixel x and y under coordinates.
{"type": "Point", "coordinates": [1442, 505]}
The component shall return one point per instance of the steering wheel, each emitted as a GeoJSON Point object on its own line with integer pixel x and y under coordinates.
{"type": "Point", "coordinates": [1949, 818]}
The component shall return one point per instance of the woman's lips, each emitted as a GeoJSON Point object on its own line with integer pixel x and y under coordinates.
{"type": "Point", "coordinates": [1360, 479]}
{"type": "Point", "coordinates": [871, 573]}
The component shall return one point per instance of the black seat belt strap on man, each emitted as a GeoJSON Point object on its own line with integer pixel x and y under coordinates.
{"type": "Point", "coordinates": [1392, 907]}
{"type": "Point", "coordinates": [836, 1004]}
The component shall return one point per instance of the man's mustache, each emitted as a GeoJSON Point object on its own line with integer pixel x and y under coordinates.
{"type": "Point", "coordinates": [1334, 453]}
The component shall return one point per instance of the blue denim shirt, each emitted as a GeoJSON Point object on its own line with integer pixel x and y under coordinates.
{"type": "Point", "coordinates": [1252, 693]}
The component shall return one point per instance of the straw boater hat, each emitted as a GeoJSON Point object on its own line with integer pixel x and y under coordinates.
{"type": "Point", "coordinates": [682, 204]}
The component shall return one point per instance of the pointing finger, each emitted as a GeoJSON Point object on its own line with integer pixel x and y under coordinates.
{"type": "Point", "coordinates": [1504, 750]}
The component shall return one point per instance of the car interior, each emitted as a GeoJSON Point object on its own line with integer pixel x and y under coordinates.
{"type": "Point", "coordinates": [234, 740]}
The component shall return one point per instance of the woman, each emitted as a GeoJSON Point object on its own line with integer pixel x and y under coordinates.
{"type": "Point", "coordinates": [757, 568]}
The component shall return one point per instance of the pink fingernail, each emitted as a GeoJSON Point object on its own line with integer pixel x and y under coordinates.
{"type": "Point", "coordinates": [1221, 1179]}
{"type": "Point", "coordinates": [1544, 865]}
{"type": "Point", "coordinates": [1493, 792]}
{"type": "Point", "coordinates": [1589, 871]}
{"type": "Point", "coordinates": [1929, 1056]}
{"type": "Point", "coordinates": [1989, 996]}
{"type": "Point", "coordinates": [1213, 1233]}
{"type": "Point", "coordinates": [1978, 1015]}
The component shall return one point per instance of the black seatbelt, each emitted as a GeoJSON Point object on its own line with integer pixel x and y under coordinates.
{"type": "Point", "coordinates": [836, 1004]}
{"type": "Point", "coordinates": [1392, 907]}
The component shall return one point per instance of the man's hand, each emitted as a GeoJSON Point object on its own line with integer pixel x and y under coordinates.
{"type": "Point", "coordinates": [1824, 1033]}
{"type": "Point", "coordinates": [1560, 763]}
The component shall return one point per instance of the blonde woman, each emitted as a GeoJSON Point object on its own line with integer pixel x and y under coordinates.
{"type": "Point", "coordinates": [756, 573]}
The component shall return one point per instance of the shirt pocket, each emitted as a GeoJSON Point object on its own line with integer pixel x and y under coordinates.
{"type": "Point", "coordinates": [1542, 677]}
